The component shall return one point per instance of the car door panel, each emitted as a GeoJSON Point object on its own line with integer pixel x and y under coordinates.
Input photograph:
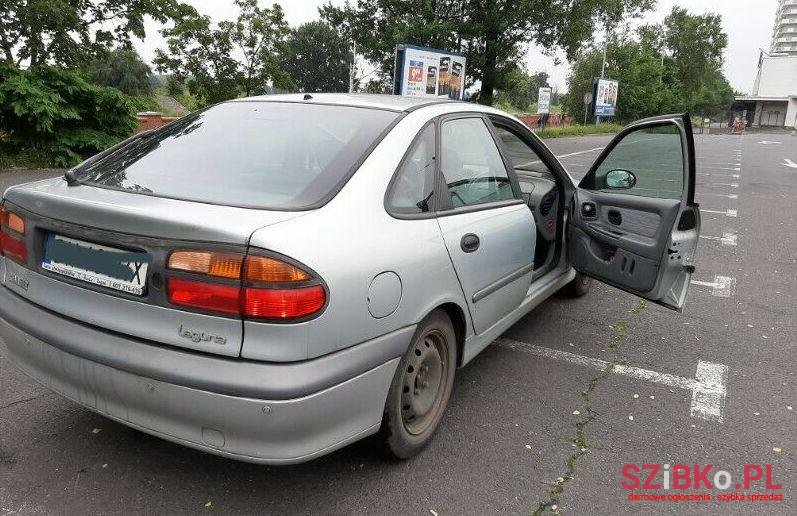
{"type": "Point", "coordinates": [488, 230]}
{"type": "Point", "coordinates": [640, 237]}
{"type": "Point", "coordinates": [496, 276]}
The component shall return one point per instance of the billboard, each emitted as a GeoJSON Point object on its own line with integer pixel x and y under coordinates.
{"type": "Point", "coordinates": [544, 101]}
{"type": "Point", "coordinates": [604, 93]}
{"type": "Point", "coordinates": [427, 72]}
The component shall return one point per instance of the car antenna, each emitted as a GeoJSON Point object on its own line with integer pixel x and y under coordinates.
{"type": "Point", "coordinates": [307, 96]}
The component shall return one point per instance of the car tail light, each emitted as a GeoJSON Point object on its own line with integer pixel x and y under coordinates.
{"type": "Point", "coordinates": [264, 303]}
{"type": "Point", "coordinates": [12, 236]}
{"type": "Point", "coordinates": [264, 288]}
{"type": "Point", "coordinates": [207, 296]}
{"type": "Point", "coordinates": [222, 265]}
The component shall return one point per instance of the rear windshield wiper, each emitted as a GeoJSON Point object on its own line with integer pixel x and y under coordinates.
{"type": "Point", "coordinates": [71, 174]}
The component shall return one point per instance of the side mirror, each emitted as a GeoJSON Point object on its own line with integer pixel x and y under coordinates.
{"type": "Point", "coordinates": [620, 179]}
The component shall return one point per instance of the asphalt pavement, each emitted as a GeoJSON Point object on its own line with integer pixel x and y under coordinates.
{"type": "Point", "coordinates": [545, 419]}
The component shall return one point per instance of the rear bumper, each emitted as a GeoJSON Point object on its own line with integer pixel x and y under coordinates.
{"type": "Point", "coordinates": [298, 422]}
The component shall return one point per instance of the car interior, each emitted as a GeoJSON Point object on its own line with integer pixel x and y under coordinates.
{"type": "Point", "coordinates": [540, 190]}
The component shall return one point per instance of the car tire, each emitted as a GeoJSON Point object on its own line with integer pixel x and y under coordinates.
{"type": "Point", "coordinates": [579, 286]}
{"type": "Point", "coordinates": [420, 388]}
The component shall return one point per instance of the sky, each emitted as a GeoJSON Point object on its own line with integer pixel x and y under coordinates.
{"type": "Point", "coordinates": [748, 24]}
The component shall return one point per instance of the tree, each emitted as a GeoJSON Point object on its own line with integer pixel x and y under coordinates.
{"type": "Point", "coordinates": [59, 116]}
{"type": "Point", "coordinates": [492, 33]}
{"type": "Point", "coordinates": [123, 69]}
{"type": "Point", "coordinates": [666, 68]}
{"type": "Point", "coordinates": [521, 88]}
{"type": "Point", "coordinates": [233, 58]}
{"type": "Point", "coordinates": [70, 32]}
{"type": "Point", "coordinates": [317, 58]}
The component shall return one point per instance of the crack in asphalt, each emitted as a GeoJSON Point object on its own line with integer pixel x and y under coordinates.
{"type": "Point", "coordinates": [589, 412]}
{"type": "Point", "coordinates": [24, 400]}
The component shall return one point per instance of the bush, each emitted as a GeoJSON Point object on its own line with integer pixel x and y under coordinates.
{"type": "Point", "coordinates": [59, 116]}
{"type": "Point", "coordinates": [578, 130]}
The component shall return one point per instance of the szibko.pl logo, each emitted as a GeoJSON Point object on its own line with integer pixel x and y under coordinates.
{"type": "Point", "coordinates": [698, 477]}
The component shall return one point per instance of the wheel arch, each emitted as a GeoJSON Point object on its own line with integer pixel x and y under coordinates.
{"type": "Point", "coordinates": [458, 320]}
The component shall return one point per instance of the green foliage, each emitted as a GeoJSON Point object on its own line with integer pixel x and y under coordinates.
{"type": "Point", "coordinates": [123, 69]}
{"type": "Point", "coordinates": [578, 130]}
{"type": "Point", "coordinates": [317, 58]}
{"type": "Point", "coordinates": [492, 33]}
{"type": "Point", "coordinates": [61, 116]}
{"type": "Point", "coordinates": [520, 90]}
{"type": "Point", "coordinates": [233, 58]}
{"type": "Point", "coordinates": [673, 67]}
{"type": "Point", "coordinates": [71, 32]}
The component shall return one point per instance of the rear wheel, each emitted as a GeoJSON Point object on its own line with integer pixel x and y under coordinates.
{"type": "Point", "coordinates": [421, 387]}
{"type": "Point", "coordinates": [579, 286]}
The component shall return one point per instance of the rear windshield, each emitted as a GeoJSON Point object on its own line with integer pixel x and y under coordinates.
{"type": "Point", "coordinates": [256, 154]}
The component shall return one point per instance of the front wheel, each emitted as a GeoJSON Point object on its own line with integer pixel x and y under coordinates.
{"type": "Point", "coordinates": [579, 286]}
{"type": "Point", "coordinates": [421, 387]}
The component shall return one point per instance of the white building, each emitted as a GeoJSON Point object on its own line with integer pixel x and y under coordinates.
{"type": "Point", "coordinates": [784, 34]}
{"type": "Point", "coordinates": [773, 101]}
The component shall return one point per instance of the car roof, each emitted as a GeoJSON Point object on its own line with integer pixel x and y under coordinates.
{"type": "Point", "coordinates": [364, 100]}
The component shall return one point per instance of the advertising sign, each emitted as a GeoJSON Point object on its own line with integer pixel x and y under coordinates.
{"type": "Point", "coordinates": [605, 96]}
{"type": "Point", "coordinates": [544, 101]}
{"type": "Point", "coordinates": [427, 72]}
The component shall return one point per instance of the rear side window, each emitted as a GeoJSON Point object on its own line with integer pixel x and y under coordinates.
{"type": "Point", "coordinates": [255, 154]}
{"type": "Point", "coordinates": [413, 188]}
{"type": "Point", "coordinates": [472, 167]}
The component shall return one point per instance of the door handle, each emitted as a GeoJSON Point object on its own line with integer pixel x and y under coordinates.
{"type": "Point", "coordinates": [615, 217]}
{"type": "Point", "coordinates": [469, 243]}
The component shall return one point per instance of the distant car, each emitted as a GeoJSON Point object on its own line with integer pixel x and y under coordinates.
{"type": "Point", "coordinates": [273, 278]}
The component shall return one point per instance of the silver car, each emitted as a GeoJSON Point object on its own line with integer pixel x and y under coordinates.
{"type": "Point", "coordinates": [273, 278]}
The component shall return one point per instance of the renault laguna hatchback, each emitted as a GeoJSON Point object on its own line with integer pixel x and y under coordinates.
{"type": "Point", "coordinates": [273, 278]}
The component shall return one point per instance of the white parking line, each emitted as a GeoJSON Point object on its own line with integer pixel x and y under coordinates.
{"type": "Point", "coordinates": [708, 386]}
{"type": "Point", "coordinates": [722, 286]}
{"type": "Point", "coordinates": [731, 185]}
{"type": "Point", "coordinates": [725, 239]}
{"type": "Point", "coordinates": [579, 152]}
{"type": "Point", "coordinates": [735, 176]}
{"type": "Point", "coordinates": [729, 196]}
{"type": "Point", "coordinates": [728, 213]}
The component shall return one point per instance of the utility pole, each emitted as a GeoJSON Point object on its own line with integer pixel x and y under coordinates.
{"type": "Point", "coordinates": [603, 65]}
{"type": "Point", "coordinates": [352, 66]}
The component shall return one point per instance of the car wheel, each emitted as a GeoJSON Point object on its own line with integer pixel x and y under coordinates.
{"type": "Point", "coordinates": [421, 387]}
{"type": "Point", "coordinates": [579, 286]}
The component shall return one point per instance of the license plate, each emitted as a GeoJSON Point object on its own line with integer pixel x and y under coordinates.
{"type": "Point", "coordinates": [109, 267]}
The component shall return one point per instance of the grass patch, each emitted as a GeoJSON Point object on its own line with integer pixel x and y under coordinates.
{"type": "Point", "coordinates": [578, 130]}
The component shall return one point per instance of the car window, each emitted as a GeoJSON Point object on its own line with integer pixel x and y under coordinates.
{"type": "Point", "coordinates": [270, 155]}
{"type": "Point", "coordinates": [524, 159]}
{"type": "Point", "coordinates": [471, 164]}
{"type": "Point", "coordinates": [413, 187]}
{"type": "Point", "coordinates": [646, 162]}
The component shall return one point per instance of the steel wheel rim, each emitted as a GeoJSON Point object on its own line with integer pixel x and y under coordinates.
{"type": "Point", "coordinates": [423, 382]}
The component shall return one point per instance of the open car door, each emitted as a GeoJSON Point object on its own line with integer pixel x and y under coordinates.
{"type": "Point", "coordinates": [635, 223]}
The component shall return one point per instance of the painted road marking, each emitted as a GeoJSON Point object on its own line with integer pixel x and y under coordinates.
{"type": "Point", "coordinates": [728, 213]}
{"type": "Point", "coordinates": [708, 386]}
{"type": "Point", "coordinates": [580, 152]}
{"type": "Point", "coordinates": [732, 185]}
{"type": "Point", "coordinates": [789, 163]}
{"type": "Point", "coordinates": [722, 286]}
{"type": "Point", "coordinates": [735, 169]}
{"type": "Point", "coordinates": [729, 196]}
{"type": "Point", "coordinates": [735, 176]}
{"type": "Point", "coordinates": [725, 239]}
{"type": "Point", "coordinates": [767, 142]}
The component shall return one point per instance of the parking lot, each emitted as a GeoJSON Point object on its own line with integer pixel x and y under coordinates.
{"type": "Point", "coordinates": [544, 419]}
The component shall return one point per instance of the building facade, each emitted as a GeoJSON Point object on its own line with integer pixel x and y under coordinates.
{"type": "Point", "coordinates": [784, 34]}
{"type": "Point", "coordinates": [773, 101]}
